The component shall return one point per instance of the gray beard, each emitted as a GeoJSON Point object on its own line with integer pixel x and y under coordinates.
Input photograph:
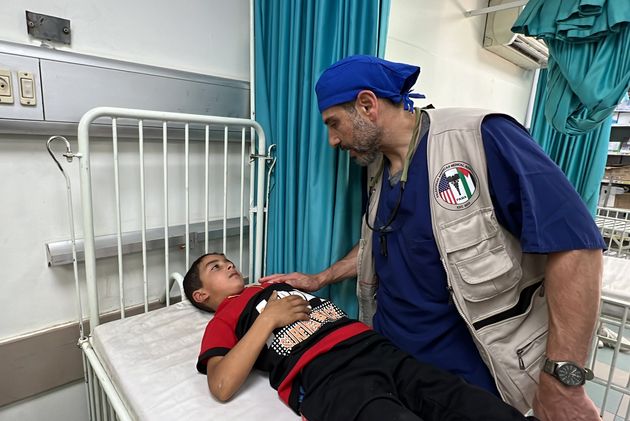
{"type": "Point", "coordinates": [367, 140]}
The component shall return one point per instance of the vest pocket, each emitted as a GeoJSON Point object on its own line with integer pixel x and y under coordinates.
{"type": "Point", "coordinates": [530, 354]}
{"type": "Point", "coordinates": [469, 230]}
{"type": "Point", "coordinates": [516, 347]}
{"type": "Point", "coordinates": [488, 274]}
{"type": "Point", "coordinates": [528, 360]}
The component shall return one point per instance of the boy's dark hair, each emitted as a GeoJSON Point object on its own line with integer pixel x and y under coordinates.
{"type": "Point", "coordinates": [192, 281]}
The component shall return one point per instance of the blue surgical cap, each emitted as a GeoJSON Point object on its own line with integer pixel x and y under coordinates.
{"type": "Point", "coordinates": [343, 81]}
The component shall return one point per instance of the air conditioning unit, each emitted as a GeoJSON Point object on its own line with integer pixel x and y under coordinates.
{"type": "Point", "coordinates": [526, 52]}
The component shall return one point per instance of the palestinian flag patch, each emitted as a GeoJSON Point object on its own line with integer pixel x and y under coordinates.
{"type": "Point", "coordinates": [455, 187]}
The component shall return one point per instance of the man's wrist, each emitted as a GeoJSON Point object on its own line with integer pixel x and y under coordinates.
{"type": "Point", "coordinates": [549, 382]}
{"type": "Point", "coordinates": [324, 278]}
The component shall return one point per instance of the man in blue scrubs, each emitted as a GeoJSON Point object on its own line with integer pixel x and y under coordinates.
{"type": "Point", "coordinates": [366, 107]}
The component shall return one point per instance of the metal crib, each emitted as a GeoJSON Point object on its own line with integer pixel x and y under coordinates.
{"type": "Point", "coordinates": [104, 401]}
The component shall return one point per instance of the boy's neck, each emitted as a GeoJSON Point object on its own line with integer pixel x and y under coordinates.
{"type": "Point", "coordinates": [256, 284]}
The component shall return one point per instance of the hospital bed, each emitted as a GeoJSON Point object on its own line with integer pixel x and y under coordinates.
{"type": "Point", "coordinates": [143, 367]}
{"type": "Point", "coordinates": [614, 224]}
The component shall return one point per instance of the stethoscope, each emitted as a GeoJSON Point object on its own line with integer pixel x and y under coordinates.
{"type": "Point", "coordinates": [385, 228]}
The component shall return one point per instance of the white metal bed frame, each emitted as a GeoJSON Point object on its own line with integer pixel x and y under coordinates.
{"type": "Point", "coordinates": [614, 225]}
{"type": "Point", "coordinates": [104, 402]}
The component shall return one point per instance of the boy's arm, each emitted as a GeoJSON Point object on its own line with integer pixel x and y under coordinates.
{"type": "Point", "coordinates": [228, 373]}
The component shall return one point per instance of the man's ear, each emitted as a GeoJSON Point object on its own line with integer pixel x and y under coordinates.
{"type": "Point", "coordinates": [367, 104]}
{"type": "Point", "coordinates": [200, 296]}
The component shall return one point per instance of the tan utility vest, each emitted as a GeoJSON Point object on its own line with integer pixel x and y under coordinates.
{"type": "Point", "coordinates": [496, 288]}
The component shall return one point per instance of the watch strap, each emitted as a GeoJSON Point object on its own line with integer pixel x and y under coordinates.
{"type": "Point", "coordinates": [549, 366]}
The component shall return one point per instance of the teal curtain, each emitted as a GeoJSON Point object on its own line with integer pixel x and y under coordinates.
{"type": "Point", "coordinates": [581, 157]}
{"type": "Point", "coordinates": [315, 205]}
{"type": "Point", "coordinates": [589, 58]}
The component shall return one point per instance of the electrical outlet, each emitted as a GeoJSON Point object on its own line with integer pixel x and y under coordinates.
{"type": "Point", "coordinates": [6, 87]}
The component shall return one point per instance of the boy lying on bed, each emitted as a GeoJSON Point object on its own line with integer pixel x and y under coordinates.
{"type": "Point", "coordinates": [324, 365]}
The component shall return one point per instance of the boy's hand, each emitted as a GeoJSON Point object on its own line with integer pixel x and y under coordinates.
{"type": "Point", "coordinates": [280, 312]}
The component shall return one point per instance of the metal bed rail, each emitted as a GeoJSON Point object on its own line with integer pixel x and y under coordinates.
{"type": "Point", "coordinates": [621, 321]}
{"type": "Point", "coordinates": [614, 225]}
{"type": "Point", "coordinates": [257, 159]}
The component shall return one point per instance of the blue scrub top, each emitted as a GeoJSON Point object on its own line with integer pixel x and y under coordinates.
{"type": "Point", "coordinates": [533, 200]}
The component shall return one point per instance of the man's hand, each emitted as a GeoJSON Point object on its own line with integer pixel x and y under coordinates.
{"type": "Point", "coordinates": [280, 312]}
{"type": "Point", "coordinates": [555, 402]}
{"type": "Point", "coordinates": [297, 280]}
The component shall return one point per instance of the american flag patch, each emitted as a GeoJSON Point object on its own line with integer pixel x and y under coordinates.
{"type": "Point", "coordinates": [456, 185]}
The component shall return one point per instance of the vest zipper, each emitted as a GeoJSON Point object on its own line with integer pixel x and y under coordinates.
{"type": "Point", "coordinates": [471, 329]}
{"type": "Point", "coordinates": [523, 349]}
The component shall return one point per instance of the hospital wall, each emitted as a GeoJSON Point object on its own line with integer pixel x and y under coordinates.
{"type": "Point", "coordinates": [203, 36]}
{"type": "Point", "coordinates": [208, 37]}
{"type": "Point", "coordinates": [456, 71]}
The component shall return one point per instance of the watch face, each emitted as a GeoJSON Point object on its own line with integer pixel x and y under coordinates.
{"type": "Point", "coordinates": [570, 374]}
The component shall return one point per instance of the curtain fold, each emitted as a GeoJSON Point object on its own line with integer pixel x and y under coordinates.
{"type": "Point", "coordinates": [581, 157]}
{"type": "Point", "coordinates": [315, 205]}
{"type": "Point", "coordinates": [589, 58]}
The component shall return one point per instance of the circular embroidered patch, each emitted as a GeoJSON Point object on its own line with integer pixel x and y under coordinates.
{"type": "Point", "coordinates": [455, 187]}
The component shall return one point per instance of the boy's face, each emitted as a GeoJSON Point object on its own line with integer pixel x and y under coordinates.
{"type": "Point", "coordinates": [219, 278]}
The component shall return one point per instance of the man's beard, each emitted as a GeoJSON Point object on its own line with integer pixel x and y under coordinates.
{"type": "Point", "coordinates": [367, 140]}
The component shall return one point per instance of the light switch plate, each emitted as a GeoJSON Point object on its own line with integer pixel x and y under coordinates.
{"type": "Point", "coordinates": [27, 89]}
{"type": "Point", "coordinates": [6, 87]}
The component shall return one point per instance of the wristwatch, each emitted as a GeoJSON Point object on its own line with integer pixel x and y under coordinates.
{"type": "Point", "coordinates": [567, 372]}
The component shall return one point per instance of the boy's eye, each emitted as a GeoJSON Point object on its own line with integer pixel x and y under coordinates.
{"type": "Point", "coordinates": [214, 267]}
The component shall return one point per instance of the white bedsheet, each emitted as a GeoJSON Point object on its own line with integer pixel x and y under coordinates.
{"type": "Point", "coordinates": [616, 286]}
{"type": "Point", "coordinates": [151, 359]}
{"type": "Point", "coordinates": [616, 282]}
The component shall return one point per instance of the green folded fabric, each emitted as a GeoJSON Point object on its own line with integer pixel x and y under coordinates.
{"type": "Point", "coordinates": [589, 64]}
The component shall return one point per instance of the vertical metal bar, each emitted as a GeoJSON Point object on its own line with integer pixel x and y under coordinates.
{"type": "Point", "coordinates": [144, 217]}
{"type": "Point", "coordinates": [86, 381]}
{"type": "Point", "coordinates": [252, 108]}
{"type": "Point", "coordinates": [91, 391]}
{"type": "Point", "coordinates": [260, 203]}
{"type": "Point", "coordinates": [268, 173]}
{"type": "Point", "coordinates": [186, 190]}
{"type": "Point", "coordinates": [613, 363]}
{"type": "Point", "coordinates": [207, 187]}
{"type": "Point", "coordinates": [225, 175]}
{"type": "Point", "coordinates": [121, 291]}
{"type": "Point", "coordinates": [165, 183]}
{"type": "Point", "coordinates": [252, 184]}
{"type": "Point", "coordinates": [97, 398]}
{"type": "Point", "coordinates": [103, 405]}
{"type": "Point", "coordinates": [240, 224]}
{"type": "Point", "coordinates": [88, 219]}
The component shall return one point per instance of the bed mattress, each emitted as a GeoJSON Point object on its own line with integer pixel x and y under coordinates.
{"type": "Point", "coordinates": [151, 360]}
{"type": "Point", "coordinates": [616, 286]}
{"type": "Point", "coordinates": [616, 282]}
